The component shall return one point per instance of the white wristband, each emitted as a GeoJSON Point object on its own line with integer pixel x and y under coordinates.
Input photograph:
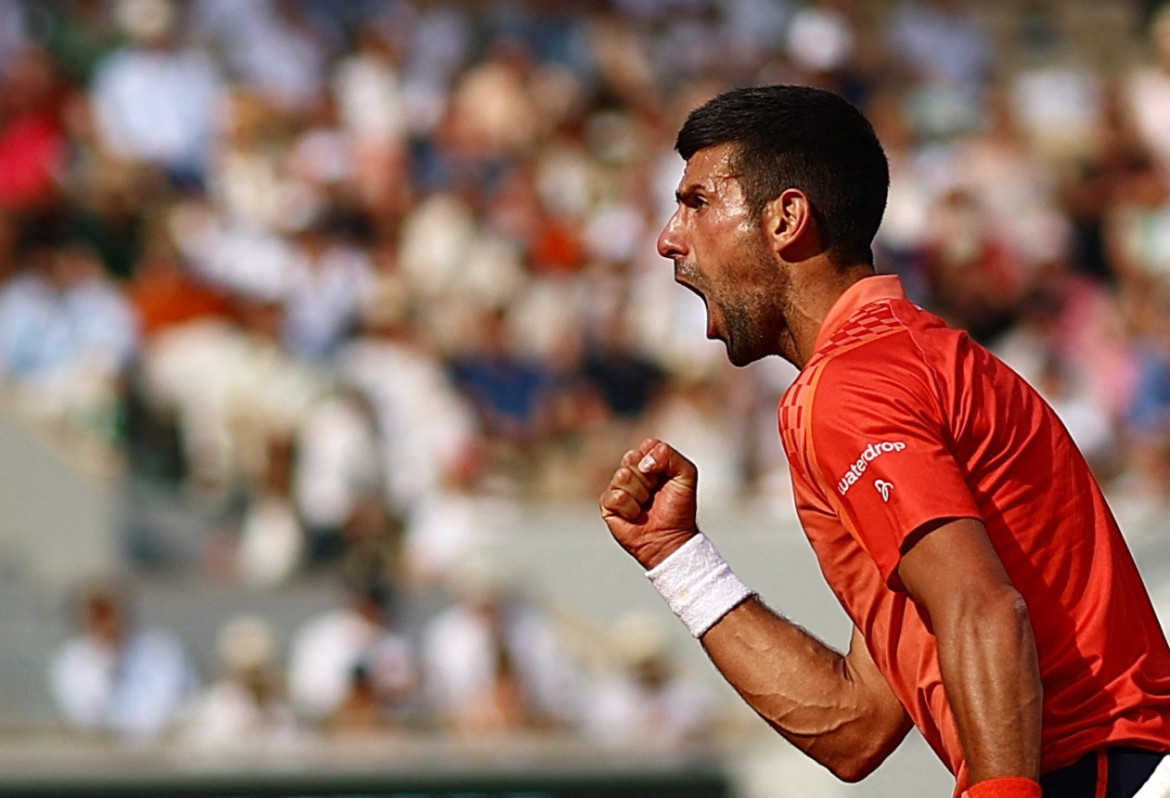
{"type": "Point", "coordinates": [698, 584]}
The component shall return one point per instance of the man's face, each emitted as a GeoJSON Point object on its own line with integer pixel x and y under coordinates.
{"type": "Point", "coordinates": [720, 253]}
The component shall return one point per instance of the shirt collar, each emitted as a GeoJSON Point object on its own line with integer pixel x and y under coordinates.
{"type": "Point", "coordinates": [855, 297]}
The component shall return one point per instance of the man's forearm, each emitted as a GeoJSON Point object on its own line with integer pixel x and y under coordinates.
{"type": "Point", "coordinates": [986, 648]}
{"type": "Point", "coordinates": [987, 655]}
{"type": "Point", "coordinates": [836, 708]}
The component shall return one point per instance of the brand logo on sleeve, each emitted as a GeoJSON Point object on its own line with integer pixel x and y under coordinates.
{"type": "Point", "coordinates": [871, 452]}
{"type": "Point", "coordinates": [883, 488]}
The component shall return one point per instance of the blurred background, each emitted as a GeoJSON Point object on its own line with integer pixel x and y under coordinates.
{"type": "Point", "coordinates": [323, 323]}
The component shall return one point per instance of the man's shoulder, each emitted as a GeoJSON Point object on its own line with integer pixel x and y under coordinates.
{"type": "Point", "coordinates": [881, 351]}
{"type": "Point", "coordinates": [869, 323]}
{"type": "Point", "coordinates": [874, 334]}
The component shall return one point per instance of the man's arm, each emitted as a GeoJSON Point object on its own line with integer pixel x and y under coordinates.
{"type": "Point", "coordinates": [837, 708]}
{"type": "Point", "coordinates": [986, 649]}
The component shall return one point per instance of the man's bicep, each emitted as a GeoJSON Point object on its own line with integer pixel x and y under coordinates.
{"type": "Point", "coordinates": [950, 562]}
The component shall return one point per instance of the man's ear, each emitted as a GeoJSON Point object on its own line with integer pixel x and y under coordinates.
{"type": "Point", "coordinates": [790, 227]}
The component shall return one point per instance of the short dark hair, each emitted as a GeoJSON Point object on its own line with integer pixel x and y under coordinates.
{"type": "Point", "coordinates": [805, 138]}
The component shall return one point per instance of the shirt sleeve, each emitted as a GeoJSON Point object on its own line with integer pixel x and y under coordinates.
{"type": "Point", "coordinates": [879, 452]}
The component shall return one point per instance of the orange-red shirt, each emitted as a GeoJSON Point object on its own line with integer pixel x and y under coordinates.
{"type": "Point", "coordinates": [897, 421]}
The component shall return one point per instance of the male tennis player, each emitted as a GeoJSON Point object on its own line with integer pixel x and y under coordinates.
{"type": "Point", "coordinates": [994, 602]}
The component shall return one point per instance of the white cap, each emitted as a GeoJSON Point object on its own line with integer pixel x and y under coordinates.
{"type": "Point", "coordinates": [246, 642]}
{"type": "Point", "coordinates": [146, 20]}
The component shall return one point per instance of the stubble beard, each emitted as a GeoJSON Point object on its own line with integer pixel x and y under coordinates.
{"type": "Point", "coordinates": [753, 320]}
{"type": "Point", "coordinates": [744, 342]}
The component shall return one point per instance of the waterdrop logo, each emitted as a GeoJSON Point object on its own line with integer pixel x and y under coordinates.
{"type": "Point", "coordinates": [871, 452]}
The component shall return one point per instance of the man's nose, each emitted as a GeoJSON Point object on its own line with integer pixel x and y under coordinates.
{"type": "Point", "coordinates": [670, 241]}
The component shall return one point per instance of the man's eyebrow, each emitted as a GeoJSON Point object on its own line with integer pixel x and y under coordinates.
{"type": "Point", "coordinates": [693, 190]}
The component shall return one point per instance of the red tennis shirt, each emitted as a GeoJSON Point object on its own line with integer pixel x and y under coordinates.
{"type": "Point", "coordinates": [897, 421]}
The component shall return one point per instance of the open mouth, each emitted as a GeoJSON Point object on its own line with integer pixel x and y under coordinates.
{"type": "Point", "coordinates": [712, 328]}
{"type": "Point", "coordinates": [687, 284]}
{"type": "Point", "coordinates": [712, 332]}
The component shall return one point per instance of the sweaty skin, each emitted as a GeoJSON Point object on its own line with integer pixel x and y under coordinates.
{"type": "Point", "coordinates": [836, 708]}
{"type": "Point", "coordinates": [768, 285]}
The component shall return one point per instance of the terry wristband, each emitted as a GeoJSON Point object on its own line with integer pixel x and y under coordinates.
{"type": "Point", "coordinates": [1007, 787]}
{"type": "Point", "coordinates": [698, 584]}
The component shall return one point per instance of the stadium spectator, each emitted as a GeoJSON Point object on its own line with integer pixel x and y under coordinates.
{"type": "Point", "coordinates": [646, 698]}
{"type": "Point", "coordinates": [33, 144]}
{"type": "Point", "coordinates": [511, 392]}
{"type": "Point", "coordinates": [118, 676]}
{"type": "Point", "coordinates": [1146, 107]}
{"type": "Point", "coordinates": [454, 519]}
{"type": "Point", "coordinates": [424, 423]}
{"type": "Point", "coordinates": [155, 99]}
{"type": "Point", "coordinates": [494, 661]}
{"type": "Point", "coordinates": [372, 109]}
{"type": "Point", "coordinates": [272, 540]}
{"type": "Point", "coordinates": [283, 53]}
{"type": "Point", "coordinates": [328, 280]}
{"type": "Point", "coordinates": [233, 388]}
{"type": "Point", "coordinates": [350, 652]}
{"type": "Point", "coordinates": [246, 704]}
{"type": "Point", "coordinates": [67, 336]}
{"type": "Point", "coordinates": [337, 469]}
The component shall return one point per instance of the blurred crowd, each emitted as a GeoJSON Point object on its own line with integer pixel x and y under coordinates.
{"type": "Point", "coordinates": [357, 278]}
{"type": "Point", "coordinates": [492, 664]}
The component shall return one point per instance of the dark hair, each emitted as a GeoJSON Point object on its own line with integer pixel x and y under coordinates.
{"type": "Point", "coordinates": [805, 138]}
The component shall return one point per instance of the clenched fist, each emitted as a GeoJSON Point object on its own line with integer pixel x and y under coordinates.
{"type": "Point", "coordinates": [649, 505]}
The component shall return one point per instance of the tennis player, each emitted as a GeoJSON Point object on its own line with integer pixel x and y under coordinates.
{"type": "Point", "coordinates": [995, 604]}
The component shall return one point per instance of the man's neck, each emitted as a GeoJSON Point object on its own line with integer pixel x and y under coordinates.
{"type": "Point", "coordinates": [812, 304]}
